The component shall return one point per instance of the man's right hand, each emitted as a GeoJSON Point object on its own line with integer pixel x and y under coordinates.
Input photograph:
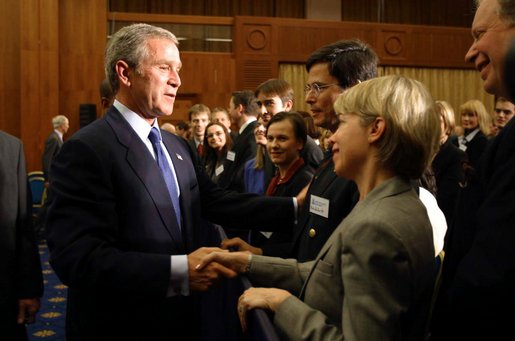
{"type": "Point", "coordinates": [202, 280]}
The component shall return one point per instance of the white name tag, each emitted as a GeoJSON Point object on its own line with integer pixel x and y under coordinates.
{"type": "Point", "coordinates": [231, 155]}
{"type": "Point", "coordinates": [319, 206]}
{"type": "Point", "coordinates": [463, 147]}
{"type": "Point", "coordinates": [219, 170]}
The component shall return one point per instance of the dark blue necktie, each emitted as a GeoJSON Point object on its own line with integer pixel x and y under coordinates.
{"type": "Point", "coordinates": [166, 171]}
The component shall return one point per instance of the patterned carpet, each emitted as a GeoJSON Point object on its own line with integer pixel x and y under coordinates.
{"type": "Point", "coordinates": [50, 320]}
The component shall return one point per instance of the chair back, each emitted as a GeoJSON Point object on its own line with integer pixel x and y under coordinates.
{"type": "Point", "coordinates": [37, 190]}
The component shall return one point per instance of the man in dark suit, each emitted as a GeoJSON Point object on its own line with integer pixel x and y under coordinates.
{"type": "Point", "coordinates": [331, 69]}
{"type": "Point", "coordinates": [199, 116]}
{"type": "Point", "coordinates": [21, 281]}
{"type": "Point", "coordinates": [125, 225]}
{"type": "Point", "coordinates": [243, 110]}
{"type": "Point", "coordinates": [54, 142]}
{"type": "Point", "coordinates": [477, 294]}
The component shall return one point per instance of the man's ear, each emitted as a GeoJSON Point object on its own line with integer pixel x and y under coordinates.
{"type": "Point", "coordinates": [240, 109]}
{"type": "Point", "coordinates": [376, 129]}
{"type": "Point", "coordinates": [288, 105]}
{"type": "Point", "coordinates": [123, 72]}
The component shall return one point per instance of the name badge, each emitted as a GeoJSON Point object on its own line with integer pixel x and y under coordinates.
{"type": "Point", "coordinates": [231, 155]}
{"type": "Point", "coordinates": [219, 170]}
{"type": "Point", "coordinates": [319, 206]}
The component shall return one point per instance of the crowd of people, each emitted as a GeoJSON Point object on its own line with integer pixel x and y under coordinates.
{"type": "Point", "coordinates": [375, 216]}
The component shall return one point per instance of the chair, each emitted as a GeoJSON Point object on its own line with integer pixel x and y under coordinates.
{"type": "Point", "coordinates": [37, 190]}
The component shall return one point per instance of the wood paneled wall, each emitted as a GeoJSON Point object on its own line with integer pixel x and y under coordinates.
{"type": "Point", "coordinates": [52, 57]}
{"type": "Point", "coordinates": [261, 44]}
{"type": "Point", "coordinates": [230, 8]}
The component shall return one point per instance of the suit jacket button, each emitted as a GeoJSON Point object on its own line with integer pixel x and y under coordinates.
{"type": "Point", "coordinates": [312, 233]}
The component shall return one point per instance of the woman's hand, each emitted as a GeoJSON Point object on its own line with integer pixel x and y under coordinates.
{"type": "Point", "coordinates": [264, 298]}
{"type": "Point", "coordinates": [240, 245]}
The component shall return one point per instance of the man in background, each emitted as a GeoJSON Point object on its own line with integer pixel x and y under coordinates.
{"type": "Point", "coordinates": [503, 112]}
{"type": "Point", "coordinates": [199, 117]}
{"type": "Point", "coordinates": [54, 142]}
{"type": "Point", "coordinates": [243, 110]}
{"type": "Point", "coordinates": [21, 280]}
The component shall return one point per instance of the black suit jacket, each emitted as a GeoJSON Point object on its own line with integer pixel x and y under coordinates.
{"type": "Point", "coordinates": [53, 144]}
{"type": "Point", "coordinates": [313, 229]}
{"type": "Point", "coordinates": [244, 149]}
{"type": "Point", "coordinates": [475, 148]}
{"type": "Point", "coordinates": [111, 230]}
{"type": "Point", "coordinates": [20, 268]}
{"type": "Point", "coordinates": [477, 295]}
{"type": "Point", "coordinates": [449, 173]}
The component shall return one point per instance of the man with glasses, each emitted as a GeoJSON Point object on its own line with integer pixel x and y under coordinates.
{"type": "Point", "coordinates": [331, 69]}
{"type": "Point", "coordinates": [329, 198]}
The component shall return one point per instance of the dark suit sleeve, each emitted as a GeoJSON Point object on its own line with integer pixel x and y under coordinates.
{"type": "Point", "coordinates": [49, 153]}
{"type": "Point", "coordinates": [243, 210]}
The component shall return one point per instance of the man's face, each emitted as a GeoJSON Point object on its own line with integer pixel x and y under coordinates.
{"type": "Point", "coordinates": [154, 83]}
{"type": "Point", "coordinates": [492, 37]}
{"type": "Point", "coordinates": [503, 113]}
{"type": "Point", "coordinates": [65, 126]}
{"type": "Point", "coordinates": [234, 111]}
{"type": "Point", "coordinates": [199, 121]}
{"type": "Point", "coordinates": [321, 106]}
{"type": "Point", "coordinates": [221, 117]}
{"type": "Point", "coordinates": [271, 105]}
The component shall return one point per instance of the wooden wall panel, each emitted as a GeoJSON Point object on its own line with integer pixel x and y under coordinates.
{"type": "Point", "coordinates": [10, 67]}
{"type": "Point", "coordinates": [267, 8]}
{"type": "Point", "coordinates": [209, 77]}
{"type": "Point", "coordinates": [277, 40]}
{"type": "Point", "coordinates": [82, 36]}
{"type": "Point", "coordinates": [38, 75]}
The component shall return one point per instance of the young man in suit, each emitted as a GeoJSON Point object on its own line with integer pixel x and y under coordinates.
{"type": "Point", "coordinates": [477, 294]}
{"type": "Point", "coordinates": [21, 281]}
{"type": "Point", "coordinates": [54, 142]}
{"type": "Point", "coordinates": [199, 116]}
{"type": "Point", "coordinates": [125, 219]}
{"type": "Point", "coordinates": [243, 110]}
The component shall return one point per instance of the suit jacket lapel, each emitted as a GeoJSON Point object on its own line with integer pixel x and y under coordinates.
{"type": "Point", "coordinates": [148, 171]}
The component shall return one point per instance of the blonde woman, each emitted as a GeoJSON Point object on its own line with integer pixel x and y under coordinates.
{"type": "Point", "coordinates": [476, 123]}
{"type": "Point", "coordinates": [373, 278]}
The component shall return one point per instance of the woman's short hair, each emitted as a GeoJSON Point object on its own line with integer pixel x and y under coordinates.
{"type": "Point", "coordinates": [478, 108]}
{"type": "Point", "coordinates": [446, 112]}
{"type": "Point", "coordinates": [412, 126]}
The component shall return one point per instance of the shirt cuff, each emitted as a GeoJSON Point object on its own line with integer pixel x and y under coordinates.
{"type": "Point", "coordinates": [179, 279]}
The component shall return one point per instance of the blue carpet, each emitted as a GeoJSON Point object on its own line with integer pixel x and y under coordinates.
{"type": "Point", "coordinates": [50, 320]}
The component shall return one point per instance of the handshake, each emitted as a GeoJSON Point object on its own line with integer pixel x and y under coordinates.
{"type": "Point", "coordinates": [207, 264]}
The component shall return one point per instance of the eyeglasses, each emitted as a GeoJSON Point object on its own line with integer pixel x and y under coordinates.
{"type": "Point", "coordinates": [316, 88]}
{"type": "Point", "coordinates": [218, 133]}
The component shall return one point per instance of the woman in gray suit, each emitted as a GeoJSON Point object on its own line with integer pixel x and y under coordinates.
{"type": "Point", "coordinates": [373, 278]}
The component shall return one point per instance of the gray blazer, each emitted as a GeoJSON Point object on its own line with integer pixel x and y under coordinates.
{"type": "Point", "coordinates": [372, 280]}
